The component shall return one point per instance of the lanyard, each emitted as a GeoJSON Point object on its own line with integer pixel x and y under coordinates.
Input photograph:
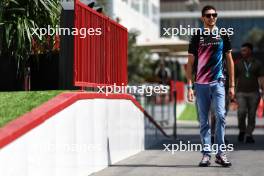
{"type": "Point", "coordinates": [247, 67]}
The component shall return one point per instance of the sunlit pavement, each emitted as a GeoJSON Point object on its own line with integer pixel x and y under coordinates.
{"type": "Point", "coordinates": [247, 159]}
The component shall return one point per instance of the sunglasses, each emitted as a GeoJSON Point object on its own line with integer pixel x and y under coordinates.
{"type": "Point", "coordinates": [208, 15]}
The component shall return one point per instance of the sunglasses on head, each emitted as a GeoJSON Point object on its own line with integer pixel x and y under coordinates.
{"type": "Point", "coordinates": [208, 15]}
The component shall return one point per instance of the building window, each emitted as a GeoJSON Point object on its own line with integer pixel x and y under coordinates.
{"type": "Point", "coordinates": [155, 14]}
{"type": "Point", "coordinates": [135, 5]}
{"type": "Point", "coordinates": [146, 7]}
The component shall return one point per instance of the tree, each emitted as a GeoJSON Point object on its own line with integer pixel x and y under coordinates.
{"type": "Point", "coordinates": [140, 66]}
{"type": "Point", "coordinates": [1, 24]}
{"type": "Point", "coordinates": [17, 20]}
{"type": "Point", "coordinates": [256, 37]}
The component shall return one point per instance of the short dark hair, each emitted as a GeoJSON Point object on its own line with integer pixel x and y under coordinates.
{"type": "Point", "coordinates": [207, 7]}
{"type": "Point", "coordinates": [248, 45]}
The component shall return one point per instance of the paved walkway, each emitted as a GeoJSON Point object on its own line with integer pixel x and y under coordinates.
{"type": "Point", "coordinates": [247, 159]}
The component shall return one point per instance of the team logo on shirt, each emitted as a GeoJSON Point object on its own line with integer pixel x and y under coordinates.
{"type": "Point", "coordinates": [217, 37]}
{"type": "Point", "coordinates": [201, 40]}
{"type": "Point", "coordinates": [210, 40]}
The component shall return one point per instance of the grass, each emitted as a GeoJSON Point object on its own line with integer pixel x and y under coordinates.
{"type": "Point", "coordinates": [189, 113]}
{"type": "Point", "coordinates": [15, 104]}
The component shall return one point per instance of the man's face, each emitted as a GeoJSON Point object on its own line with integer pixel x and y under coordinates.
{"type": "Point", "coordinates": [209, 18]}
{"type": "Point", "coordinates": [245, 52]}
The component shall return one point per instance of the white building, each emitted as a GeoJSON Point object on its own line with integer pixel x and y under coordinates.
{"type": "Point", "coordinates": [142, 15]}
{"type": "Point", "coordinates": [241, 15]}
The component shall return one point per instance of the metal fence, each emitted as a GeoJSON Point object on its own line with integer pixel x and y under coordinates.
{"type": "Point", "coordinates": [162, 107]}
{"type": "Point", "coordinates": [100, 58]}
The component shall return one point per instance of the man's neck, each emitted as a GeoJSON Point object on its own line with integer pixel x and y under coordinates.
{"type": "Point", "coordinates": [209, 27]}
{"type": "Point", "coordinates": [248, 59]}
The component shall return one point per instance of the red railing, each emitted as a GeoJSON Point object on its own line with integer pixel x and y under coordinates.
{"type": "Point", "coordinates": [179, 85]}
{"type": "Point", "coordinates": [99, 60]}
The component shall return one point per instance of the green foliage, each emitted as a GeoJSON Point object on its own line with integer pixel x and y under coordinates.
{"type": "Point", "coordinates": [1, 12]}
{"type": "Point", "coordinates": [256, 37]}
{"type": "Point", "coordinates": [18, 18]}
{"type": "Point", "coordinates": [140, 66]}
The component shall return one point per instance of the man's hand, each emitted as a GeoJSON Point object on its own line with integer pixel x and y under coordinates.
{"type": "Point", "coordinates": [232, 93]}
{"type": "Point", "coordinates": [261, 85]}
{"type": "Point", "coordinates": [190, 95]}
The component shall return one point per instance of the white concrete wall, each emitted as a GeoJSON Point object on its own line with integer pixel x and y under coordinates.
{"type": "Point", "coordinates": [79, 140]}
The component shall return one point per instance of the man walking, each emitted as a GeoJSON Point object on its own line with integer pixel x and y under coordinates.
{"type": "Point", "coordinates": [227, 103]}
{"type": "Point", "coordinates": [248, 72]}
{"type": "Point", "coordinates": [205, 59]}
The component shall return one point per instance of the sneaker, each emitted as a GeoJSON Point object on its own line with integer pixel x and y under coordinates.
{"type": "Point", "coordinates": [241, 136]}
{"type": "Point", "coordinates": [205, 162]}
{"type": "Point", "coordinates": [222, 160]}
{"type": "Point", "coordinates": [250, 140]}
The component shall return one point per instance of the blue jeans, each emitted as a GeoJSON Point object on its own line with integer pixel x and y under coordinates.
{"type": "Point", "coordinates": [207, 94]}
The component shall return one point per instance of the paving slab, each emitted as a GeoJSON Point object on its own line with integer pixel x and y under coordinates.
{"type": "Point", "coordinates": [247, 159]}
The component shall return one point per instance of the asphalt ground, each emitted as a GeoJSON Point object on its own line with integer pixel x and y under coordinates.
{"type": "Point", "coordinates": [247, 159]}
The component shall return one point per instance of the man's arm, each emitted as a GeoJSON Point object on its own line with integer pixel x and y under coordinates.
{"type": "Point", "coordinates": [230, 66]}
{"type": "Point", "coordinates": [189, 74]}
{"type": "Point", "coordinates": [261, 82]}
{"type": "Point", "coordinates": [261, 77]}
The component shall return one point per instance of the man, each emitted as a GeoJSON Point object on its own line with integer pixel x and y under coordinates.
{"type": "Point", "coordinates": [248, 72]}
{"type": "Point", "coordinates": [227, 103]}
{"type": "Point", "coordinates": [206, 60]}
{"type": "Point", "coordinates": [163, 73]}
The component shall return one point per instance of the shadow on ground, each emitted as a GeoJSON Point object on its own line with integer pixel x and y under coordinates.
{"type": "Point", "coordinates": [195, 139]}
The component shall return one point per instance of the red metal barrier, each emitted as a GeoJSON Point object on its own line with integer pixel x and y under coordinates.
{"type": "Point", "coordinates": [180, 90]}
{"type": "Point", "coordinates": [99, 60]}
{"type": "Point", "coordinates": [260, 109]}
